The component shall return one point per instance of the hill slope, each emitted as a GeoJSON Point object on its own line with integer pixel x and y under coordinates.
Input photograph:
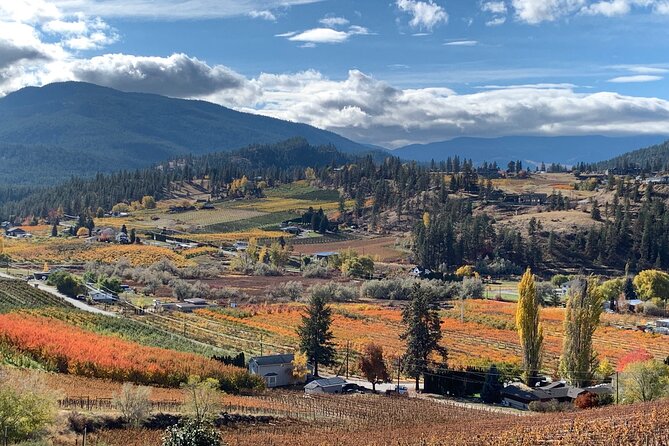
{"type": "Point", "coordinates": [655, 158]}
{"type": "Point", "coordinates": [529, 149]}
{"type": "Point", "coordinates": [73, 128]}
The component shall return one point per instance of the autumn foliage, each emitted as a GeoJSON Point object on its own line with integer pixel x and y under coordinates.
{"type": "Point", "coordinates": [79, 352]}
{"type": "Point", "coordinates": [639, 355]}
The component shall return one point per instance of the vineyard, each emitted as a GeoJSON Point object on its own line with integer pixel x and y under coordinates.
{"type": "Point", "coordinates": [374, 420]}
{"type": "Point", "coordinates": [69, 349]}
{"type": "Point", "coordinates": [15, 294]}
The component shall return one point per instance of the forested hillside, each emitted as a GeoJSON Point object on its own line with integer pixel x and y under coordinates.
{"type": "Point", "coordinates": [72, 128]}
{"type": "Point", "coordinates": [653, 158]}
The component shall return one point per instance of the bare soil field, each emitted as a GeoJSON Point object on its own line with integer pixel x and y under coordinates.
{"type": "Point", "coordinates": [560, 222]}
{"type": "Point", "coordinates": [258, 285]}
{"type": "Point", "coordinates": [381, 248]}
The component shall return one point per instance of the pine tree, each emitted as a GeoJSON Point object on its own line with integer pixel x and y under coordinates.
{"type": "Point", "coordinates": [422, 333]}
{"type": "Point", "coordinates": [530, 330]}
{"type": "Point", "coordinates": [315, 334]}
{"type": "Point", "coordinates": [578, 362]}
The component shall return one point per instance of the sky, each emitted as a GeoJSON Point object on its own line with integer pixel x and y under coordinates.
{"type": "Point", "coordinates": [385, 72]}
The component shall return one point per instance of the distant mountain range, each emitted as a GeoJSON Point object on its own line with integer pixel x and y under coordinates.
{"type": "Point", "coordinates": [530, 149]}
{"type": "Point", "coordinates": [75, 128]}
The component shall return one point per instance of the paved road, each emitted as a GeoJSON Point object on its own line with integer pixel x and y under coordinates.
{"type": "Point", "coordinates": [75, 303]}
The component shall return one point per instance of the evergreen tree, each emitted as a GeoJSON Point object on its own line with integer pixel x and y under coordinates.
{"type": "Point", "coordinates": [530, 330]}
{"type": "Point", "coordinates": [492, 387]}
{"type": "Point", "coordinates": [422, 333]}
{"type": "Point", "coordinates": [315, 334]}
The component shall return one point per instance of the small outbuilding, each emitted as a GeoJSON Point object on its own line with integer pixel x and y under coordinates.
{"type": "Point", "coordinates": [328, 385]}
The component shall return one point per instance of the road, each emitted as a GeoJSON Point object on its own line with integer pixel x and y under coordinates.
{"type": "Point", "coordinates": [52, 290]}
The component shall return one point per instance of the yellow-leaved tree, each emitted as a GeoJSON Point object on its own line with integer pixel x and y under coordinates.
{"type": "Point", "coordinates": [530, 330]}
{"type": "Point", "coordinates": [300, 366]}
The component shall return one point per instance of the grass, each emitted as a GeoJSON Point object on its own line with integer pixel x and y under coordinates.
{"type": "Point", "coordinates": [260, 221]}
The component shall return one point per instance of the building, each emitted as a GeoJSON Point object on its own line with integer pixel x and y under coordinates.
{"type": "Point", "coordinates": [327, 255]}
{"type": "Point", "coordinates": [664, 179]}
{"type": "Point", "coordinates": [329, 385]}
{"type": "Point", "coordinates": [662, 323]}
{"type": "Point", "coordinates": [101, 297]}
{"type": "Point", "coordinates": [17, 232]}
{"type": "Point", "coordinates": [275, 370]}
{"type": "Point", "coordinates": [519, 396]}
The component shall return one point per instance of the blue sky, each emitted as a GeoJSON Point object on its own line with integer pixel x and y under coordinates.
{"type": "Point", "coordinates": [386, 72]}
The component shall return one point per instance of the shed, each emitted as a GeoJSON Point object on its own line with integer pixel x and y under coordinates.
{"type": "Point", "coordinates": [276, 370]}
{"type": "Point", "coordinates": [329, 385]}
{"type": "Point", "coordinates": [326, 255]}
{"type": "Point", "coordinates": [16, 232]}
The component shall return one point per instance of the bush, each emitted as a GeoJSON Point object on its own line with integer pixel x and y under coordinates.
{"type": "Point", "coordinates": [288, 291]}
{"type": "Point", "coordinates": [358, 267]}
{"type": "Point", "coordinates": [586, 400]}
{"type": "Point", "coordinates": [191, 433]}
{"type": "Point", "coordinates": [133, 403]}
{"type": "Point", "coordinates": [472, 287]}
{"type": "Point", "coordinates": [550, 406]}
{"type": "Point", "coordinates": [316, 270]}
{"type": "Point", "coordinates": [497, 267]}
{"type": "Point", "coordinates": [263, 269]}
{"type": "Point", "coordinates": [334, 292]}
{"type": "Point", "coordinates": [400, 289]}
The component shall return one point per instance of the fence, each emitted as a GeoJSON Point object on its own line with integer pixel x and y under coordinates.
{"type": "Point", "coordinates": [103, 404]}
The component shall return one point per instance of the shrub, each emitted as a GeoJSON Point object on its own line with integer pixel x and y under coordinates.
{"type": "Point", "coordinates": [66, 283]}
{"type": "Point", "coordinates": [133, 403]}
{"type": "Point", "coordinates": [472, 288]}
{"type": "Point", "coordinates": [288, 291]}
{"type": "Point", "coordinates": [333, 292]}
{"type": "Point", "coordinates": [263, 269]}
{"type": "Point", "coordinates": [358, 267]}
{"type": "Point", "coordinates": [400, 289]}
{"type": "Point", "coordinates": [191, 433]}
{"type": "Point", "coordinates": [316, 270]}
{"type": "Point", "coordinates": [586, 400]}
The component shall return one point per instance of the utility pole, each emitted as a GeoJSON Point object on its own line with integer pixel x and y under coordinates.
{"type": "Point", "coordinates": [462, 308]}
{"type": "Point", "coordinates": [261, 343]}
{"type": "Point", "coordinates": [617, 380]}
{"type": "Point", "coordinates": [347, 354]}
{"type": "Point", "coordinates": [399, 367]}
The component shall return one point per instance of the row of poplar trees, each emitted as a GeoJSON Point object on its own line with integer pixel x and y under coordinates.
{"type": "Point", "coordinates": [578, 362]}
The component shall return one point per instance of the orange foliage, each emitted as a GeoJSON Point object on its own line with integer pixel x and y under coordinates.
{"type": "Point", "coordinates": [80, 352]}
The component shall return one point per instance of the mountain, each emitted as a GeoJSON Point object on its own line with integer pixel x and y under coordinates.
{"type": "Point", "coordinates": [529, 149]}
{"type": "Point", "coordinates": [653, 158]}
{"type": "Point", "coordinates": [75, 128]}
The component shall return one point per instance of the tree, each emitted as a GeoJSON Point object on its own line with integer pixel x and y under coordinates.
{"type": "Point", "coordinates": [315, 334]}
{"type": "Point", "coordinates": [578, 362]}
{"type": "Point", "coordinates": [202, 398]}
{"type": "Point", "coordinates": [124, 230]}
{"type": "Point", "coordinates": [83, 232]}
{"type": "Point", "coordinates": [133, 236]}
{"type": "Point", "coordinates": [66, 283]}
{"type": "Point", "coordinates": [148, 202]}
{"type": "Point", "coordinates": [652, 284]}
{"type": "Point", "coordinates": [644, 381]}
{"type": "Point", "coordinates": [133, 403]}
{"type": "Point", "coordinates": [300, 365]}
{"type": "Point", "coordinates": [422, 333]}
{"type": "Point", "coordinates": [54, 230]}
{"type": "Point", "coordinates": [27, 407]}
{"type": "Point", "coordinates": [373, 366]}
{"type": "Point", "coordinates": [492, 387]}
{"type": "Point", "coordinates": [530, 330]}
{"type": "Point", "coordinates": [639, 355]}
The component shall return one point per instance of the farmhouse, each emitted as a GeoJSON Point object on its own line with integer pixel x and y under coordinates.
{"type": "Point", "coordinates": [17, 232]}
{"type": "Point", "coordinates": [275, 370]}
{"type": "Point", "coordinates": [329, 385]}
{"type": "Point", "coordinates": [101, 297]}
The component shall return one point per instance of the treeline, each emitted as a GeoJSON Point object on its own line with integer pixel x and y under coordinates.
{"type": "Point", "coordinates": [283, 162]}
{"type": "Point", "coordinates": [651, 159]}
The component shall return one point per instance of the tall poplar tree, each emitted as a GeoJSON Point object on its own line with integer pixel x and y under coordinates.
{"type": "Point", "coordinates": [315, 334]}
{"type": "Point", "coordinates": [585, 303]}
{"type": "Point", "coordinates": [530, 330]}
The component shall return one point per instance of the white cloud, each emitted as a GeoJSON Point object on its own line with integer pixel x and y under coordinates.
{"type": "Point", "coordinates": [537, 11]}
{"type": "Point", "coordinates": [263, 14]}
{"type": "Point", "coordinates": [334, 21]}
{"type": "Point", "coordinates": [424, 14]}
{"type": "Point", "coordinates": [462, 43]}
{"type": "Point", "coordinates": [635, 78]}
{"type": "Point", "coordinates": [566, 86]}
{"type": "Point", "coordinates": [327, 35]}
{"type": "Point", "coordinates": [173, 9]}
{"type": "Point", "coordinates": [497, 9]}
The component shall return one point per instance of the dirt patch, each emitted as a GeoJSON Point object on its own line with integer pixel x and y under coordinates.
{"type": "Point", "coordinates": [257, 286]}
{"type": "Point", "coordinates": [380, 248]}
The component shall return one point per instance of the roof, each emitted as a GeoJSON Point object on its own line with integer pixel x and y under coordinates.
{"type": "Point", "coordinates": [196, 301]}
{"type": "Point", "coordinates": [634, 302]}
{"type": "Point", "coordinates": [521, 392]}
{"type": "Point", "coordinates": [329, 382]}
{"type": "Point", "coordinates": [326, 254]}
{"type": "Point", "coordinates": [273, 359]}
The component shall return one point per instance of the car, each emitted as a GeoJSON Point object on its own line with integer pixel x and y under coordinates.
{"type": "Point", "coordinates": [402, 390]}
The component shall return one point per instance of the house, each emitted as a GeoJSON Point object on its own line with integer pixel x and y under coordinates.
{"type": "Point", "coordinates": [101, 297]}
{"type": "Point", "coordinates": [664, 179]}
{"type": "Point", "coordinates": [17, 232]}
{"type": "Point", "coordinates": [275, 370]}
{"type": "Point", "coordinates": [241, 246]}
{"type": "Point", "coordinates": [186, 307]}
{"type": "Point", "coordinates": [519, 396]}
{"type": "Point", "coordinates": [329, 385]}
{"type": "Point", "coordinates": [44, 275]}
{"type": "Point", "coordinates": [662, 323]}
{"type": "Point", "coordinates": [197, 302]}
{"type": "Point", "coordinates": [326, 255]}
{"type": "Point", "coordinates": [294, 230]}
